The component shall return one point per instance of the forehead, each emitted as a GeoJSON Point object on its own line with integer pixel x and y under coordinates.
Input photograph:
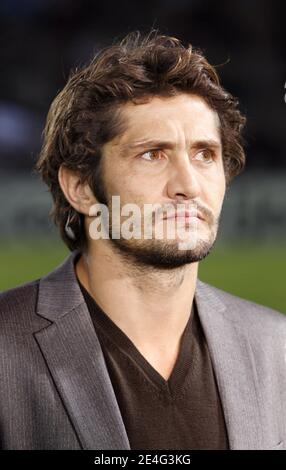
{"type": "Point", "coordinates": [181, 115]}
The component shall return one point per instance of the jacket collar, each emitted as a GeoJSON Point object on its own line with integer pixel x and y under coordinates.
{"type": "Point", "coordinates": [74, 356]}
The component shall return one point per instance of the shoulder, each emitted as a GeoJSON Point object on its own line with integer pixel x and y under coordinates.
{"type": "Point", "coordinates": [246, 312]}
{"type": "Point", "coordinates": [19, 296]}
{"type": "Point", "coordinates": [29, 306]}
{"type": "Point", "coordinates": [18, 307]}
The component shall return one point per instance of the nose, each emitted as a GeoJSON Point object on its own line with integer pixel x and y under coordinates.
{"type": "Point", "coordinates": [184, 182]}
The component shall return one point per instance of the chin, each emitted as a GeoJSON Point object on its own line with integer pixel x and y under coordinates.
{"type": "Point", "coordinates": [161, 255]}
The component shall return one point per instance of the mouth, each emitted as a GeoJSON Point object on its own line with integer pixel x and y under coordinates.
{"type": "Point", "coordinates": [188, 215]}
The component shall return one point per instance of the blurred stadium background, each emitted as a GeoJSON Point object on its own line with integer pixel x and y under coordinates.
{"type": "Point", "coordinates": [43, 39]}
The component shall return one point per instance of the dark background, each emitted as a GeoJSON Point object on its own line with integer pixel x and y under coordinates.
{"type": "Point", "coordinates": [43, 39]}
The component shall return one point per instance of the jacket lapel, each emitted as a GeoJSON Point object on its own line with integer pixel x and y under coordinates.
{"type": "Point", "coordinates": [74, 356]}
{"type": "Point", "coordinates": [234, 368]}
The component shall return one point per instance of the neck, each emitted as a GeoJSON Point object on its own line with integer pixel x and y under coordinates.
{"type": "Point", "coordinates": [152, 306]}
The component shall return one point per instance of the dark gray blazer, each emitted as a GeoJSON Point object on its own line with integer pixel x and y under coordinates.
{"type": "Point", "coordinates": [55, 391]}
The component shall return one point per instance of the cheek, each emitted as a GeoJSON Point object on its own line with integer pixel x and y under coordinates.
{"type": "Point", "coordinates": [135, 189]}
{"type": "Point", "coordinates": [222, 186]}
{"type": "Point", "coordinates": [128, 190]}
{"type": "Point", "coordinates": [117, 181]}
{"type": "Point", "coordinates": [214, 193]}
{"type": "Point", "coordinates": [219, 196]}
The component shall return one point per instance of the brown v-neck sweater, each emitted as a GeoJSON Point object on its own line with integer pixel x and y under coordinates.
{"type": "Point", "coordinates": [183, 412]}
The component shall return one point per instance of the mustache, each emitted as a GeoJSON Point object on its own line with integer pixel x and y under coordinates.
{"type": "Point", "coordinates": [191, 206]}
{"type": "Point", "coordinates": [165, 209]}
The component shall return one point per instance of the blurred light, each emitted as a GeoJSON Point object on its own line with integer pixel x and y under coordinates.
{"type": "Point", "coordinates": [17, 126]}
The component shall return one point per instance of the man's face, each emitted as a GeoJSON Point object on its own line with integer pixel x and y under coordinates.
{"type": "Point", "coordinates": [169, 154]}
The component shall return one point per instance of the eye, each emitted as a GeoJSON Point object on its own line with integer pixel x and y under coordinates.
{"type": "Point", "coordinates": [151, 155]}
{"type": "Point", "coordinates": [205, 155]}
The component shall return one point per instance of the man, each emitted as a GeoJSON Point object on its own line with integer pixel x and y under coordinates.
{"type": "Point", "coordinates": [122, 346]}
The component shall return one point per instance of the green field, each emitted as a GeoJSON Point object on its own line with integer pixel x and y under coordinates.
{"type": "Point", "coordinates": [255, 272]}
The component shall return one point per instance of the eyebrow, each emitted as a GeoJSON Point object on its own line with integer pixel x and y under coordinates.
{"type": "Point", "coordinates": [202, 143]}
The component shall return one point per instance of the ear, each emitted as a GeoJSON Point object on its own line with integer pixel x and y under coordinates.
{"type": "Point", "coordinates": [78, 194]}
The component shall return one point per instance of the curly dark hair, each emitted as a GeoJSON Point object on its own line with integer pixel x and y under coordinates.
{"type": "Point", "coordinates": [86, 113]}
